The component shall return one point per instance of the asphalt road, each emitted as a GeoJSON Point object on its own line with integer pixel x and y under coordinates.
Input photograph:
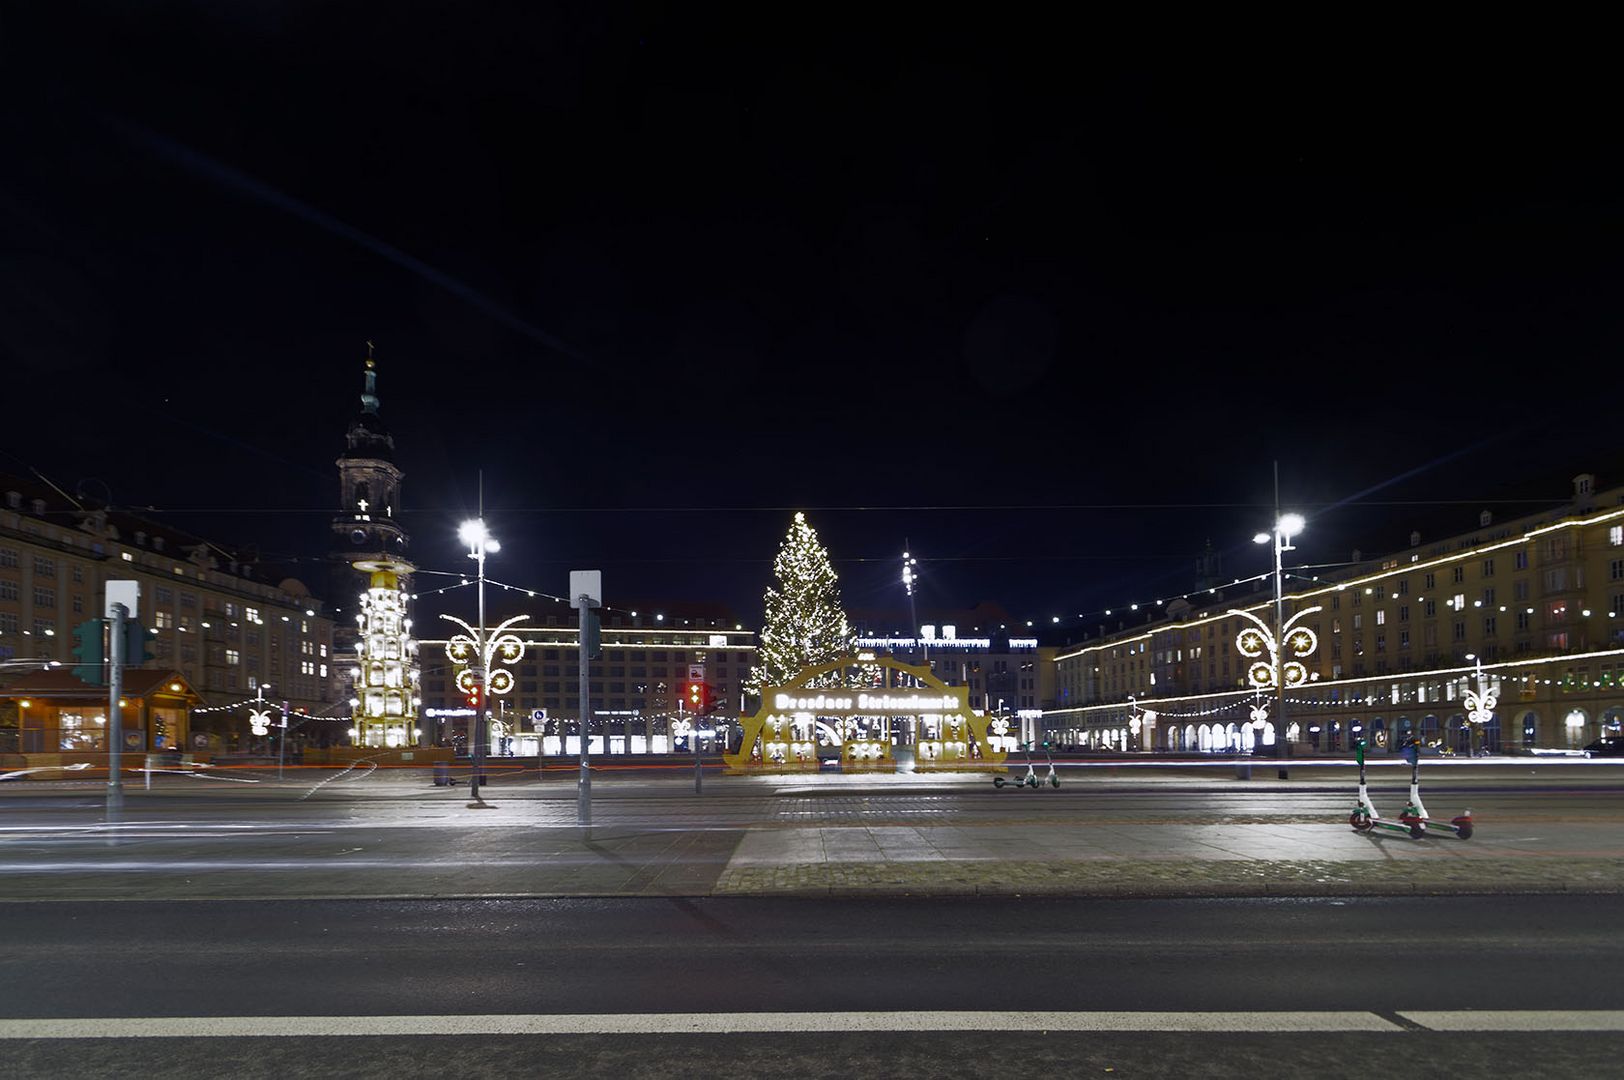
{"type": "Point", "coordinates": [1331, 988]}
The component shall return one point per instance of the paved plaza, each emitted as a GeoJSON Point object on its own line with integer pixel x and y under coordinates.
{"type": "Point", "coordinates": [1200, 833]}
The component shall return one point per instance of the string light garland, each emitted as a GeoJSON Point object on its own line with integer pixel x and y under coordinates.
{"type": "Point", "coordinates": [1510, 672]}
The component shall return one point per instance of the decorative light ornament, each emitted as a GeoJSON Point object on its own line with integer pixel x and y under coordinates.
{"type": "Point", "coordinates": [1260, 711]}
{"type": "Point", "coordinates": [1481, 701]}
{"type": "Point", "coordinates": [468, 650]}
{"type": "Point", "coordinates": [1253, 641]}
{"type": "Point", "coordinates": [259, 721]}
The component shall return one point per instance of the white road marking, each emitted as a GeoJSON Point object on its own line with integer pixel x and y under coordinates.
{"type": "Point", "coordinates": [1519, 1020]}
{"type": "Point", "coordinates": [204, 1027]}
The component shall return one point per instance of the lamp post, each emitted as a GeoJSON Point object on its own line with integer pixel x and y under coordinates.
{"type": "Point", "coordinates": [1253, 641]}
{"type": "Point", "coordinates": [908, 579]}
{"type": "Point", "coordinates": [477, 650]}
{"type": "Point", "coordinates": [1480, 703]}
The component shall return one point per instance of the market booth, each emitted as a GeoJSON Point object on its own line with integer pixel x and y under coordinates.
{"type": "Point", "coordinates": [62, 721]}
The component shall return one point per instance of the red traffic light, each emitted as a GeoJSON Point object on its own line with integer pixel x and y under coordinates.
{"type": "Point", "coordinates": [698, 697]}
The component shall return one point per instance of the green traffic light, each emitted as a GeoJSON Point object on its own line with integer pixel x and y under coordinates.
{"type": "Point", "coordinates": [90, 652]}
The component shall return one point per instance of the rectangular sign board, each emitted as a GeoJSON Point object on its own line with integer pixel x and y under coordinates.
{"type": "Point", "coordinates": [127, 593]}
{"type": "Point", "coordinates": [587, 583]}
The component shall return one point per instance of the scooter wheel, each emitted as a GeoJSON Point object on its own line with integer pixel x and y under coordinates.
{"type": "Point", "coordinates": [1463, 828]}
{"type": "Point", "coordinates": [998, 781]}
{"type": "Point", "coordinates": [1054, 781]}
{"type": "Point", "coordinates": [1417, 830]}
{"type": "Point", "coordinates": [1360, 821]}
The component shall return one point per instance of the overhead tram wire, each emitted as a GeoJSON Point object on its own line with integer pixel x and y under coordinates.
{"type": "Point", "coordinates": [914, 508]}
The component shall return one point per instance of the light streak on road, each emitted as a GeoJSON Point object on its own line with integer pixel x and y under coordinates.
{"type": "Point", "coordinates": [370, 763]}
{"type": "Point", "coordinates": [45, 768]}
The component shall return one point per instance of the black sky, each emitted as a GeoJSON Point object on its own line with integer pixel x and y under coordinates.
{"type": "Point", "coordinates": [665, 275]}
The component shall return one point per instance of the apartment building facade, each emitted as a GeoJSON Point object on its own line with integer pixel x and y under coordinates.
{"type": "Point", "coordinates": [1537, 601]}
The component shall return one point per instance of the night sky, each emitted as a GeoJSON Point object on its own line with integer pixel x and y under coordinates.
{"type": "Point", "coordinates": [1046, 299]}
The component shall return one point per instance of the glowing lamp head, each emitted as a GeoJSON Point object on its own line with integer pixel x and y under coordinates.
{"type": "Point", "coordinates": [1261, 538]}
{"type": "Point", "coordinates": [492, 545]}
{"type": "Point", "coordinates": [1290, 525]}
{"type": "Point", "coordinates": [472, 532]}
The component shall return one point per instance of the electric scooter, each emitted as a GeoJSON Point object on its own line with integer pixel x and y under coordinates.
{"type": "Point", "coordinates": [1414, 819]}
{"type": "Point", "coordinates": [1415, 814]}
{"type": "Point", "coordinates": [1365, 816]}
{"type": "Point", "coordinates": [1029, 780]}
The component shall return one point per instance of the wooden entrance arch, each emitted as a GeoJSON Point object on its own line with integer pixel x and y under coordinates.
{"type": "Point", "coordinates": [824, 712]}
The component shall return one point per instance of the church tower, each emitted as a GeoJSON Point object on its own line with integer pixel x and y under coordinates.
{"type": "Point", "coordinates": [369, 550]}
{"type": "Point", "coordinates": [369, 483]}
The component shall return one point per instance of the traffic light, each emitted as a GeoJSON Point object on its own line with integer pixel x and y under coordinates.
{"type": "Point", "coordinates": [698, 698]}
{"type": "Point", "coordinates": [594, 636]}
{"type": "Point", "coordinates": [92, 666]}
{"type": "Point", "coordinates": [137, 644]}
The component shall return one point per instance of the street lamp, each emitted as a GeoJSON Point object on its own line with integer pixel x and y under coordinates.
{"type": "Point", "coordinates": [909, 576]}
{"type": "Point", "coordinates": [477, 651]}
{"type": "Point", "coordinates": [1278, 672]}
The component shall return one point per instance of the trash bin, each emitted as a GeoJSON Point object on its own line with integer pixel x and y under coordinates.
{"type": "Point", "coordinates": [442, 774]}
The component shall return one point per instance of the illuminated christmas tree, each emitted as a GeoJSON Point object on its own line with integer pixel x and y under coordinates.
{"type": "Point", "coordinates": [804, 623]}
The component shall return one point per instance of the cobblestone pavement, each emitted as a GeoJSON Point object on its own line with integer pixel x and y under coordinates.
{"type": "Point", "coordinates": [1170, 878]}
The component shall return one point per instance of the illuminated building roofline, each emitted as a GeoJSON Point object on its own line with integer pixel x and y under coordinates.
{"type": "Point", "coordinates": [1319, 684]}
{"type": "Point", "coordinates": [1407, 568]}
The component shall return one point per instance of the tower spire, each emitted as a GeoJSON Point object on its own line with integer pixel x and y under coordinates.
{"type": "Point", "coordinates": [369, 396]}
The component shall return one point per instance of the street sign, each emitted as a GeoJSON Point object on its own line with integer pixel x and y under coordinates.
{"type": "Point", "coordinates": [587, 583]}
{"type": "Point", "coordinates": [696, 672]}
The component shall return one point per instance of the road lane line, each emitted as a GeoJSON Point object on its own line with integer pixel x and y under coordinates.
{"type": "Point", "coordinates": [204, 1027]}
{"type": "Point", "coordinates": [1518, 1019]}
